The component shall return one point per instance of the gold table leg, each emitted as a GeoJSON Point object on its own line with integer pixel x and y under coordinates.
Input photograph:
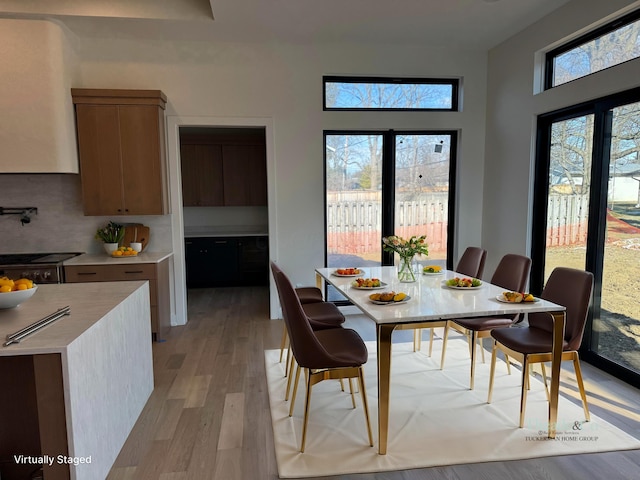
{"type": "Point", "coordinates": [558, 336]}
{"type": "Point", "coordinates": [383, 334]}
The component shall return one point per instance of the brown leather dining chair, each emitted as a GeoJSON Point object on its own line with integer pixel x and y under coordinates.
{"type": "Point", "coordinates": [511, 274]}
{"type": "Point", "coordinates": [322, 314]}
{"type": "Point", "coordinates": [471, 264]}
{"type": "Point", "coordinates": [335, 353]}
{"type": "Point", "coordinates": [571, 288]}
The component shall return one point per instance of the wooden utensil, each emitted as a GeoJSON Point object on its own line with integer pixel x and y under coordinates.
{"type": "Point", "coordinates": [136, 232]}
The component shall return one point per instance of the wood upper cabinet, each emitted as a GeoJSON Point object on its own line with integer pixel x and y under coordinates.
{"type": "Point", "coordinates": [245, 175]}
{"type": "Point", "coordinates": [223, 170]}
{"type": "Point", "coordinates": [202, 179]}
{"type": "Point", "coordinates": [121, 145]}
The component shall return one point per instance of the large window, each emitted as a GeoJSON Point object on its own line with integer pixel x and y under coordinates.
{"type": "Point", "coordinates": [387, 183]}
{"type": "Point", "coordinates": [587, 216]}
{"type": "Point", "coordinates": [376, 93]}
{"type": "Point", "coordinates": [609, 45]}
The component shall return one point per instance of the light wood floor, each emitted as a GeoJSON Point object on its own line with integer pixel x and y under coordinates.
{"type": "Point", "coordinates": [208, 417]}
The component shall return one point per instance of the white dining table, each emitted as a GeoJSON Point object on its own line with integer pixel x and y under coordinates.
{"type": "Point", "coordinates": [431, 300]}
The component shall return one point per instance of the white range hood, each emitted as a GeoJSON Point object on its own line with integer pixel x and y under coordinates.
{"type": "Point", "coordinates": [37, 126]}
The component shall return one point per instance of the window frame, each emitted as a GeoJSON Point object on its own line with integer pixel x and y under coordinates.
{"type": "Point", "coordinates": [600, 31]}
{"type": "Point", "coordinates": [453, 82]}
{"type": "Point", "coordinates": [388, 187]}
{"type": "Point", "coordinates": [597, 211]}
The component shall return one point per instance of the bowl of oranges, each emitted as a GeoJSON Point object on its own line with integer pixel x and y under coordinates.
{"type": "Point", "coordinates": [124, 252]}
{"type": "Point", "coordinates": [15, 292]}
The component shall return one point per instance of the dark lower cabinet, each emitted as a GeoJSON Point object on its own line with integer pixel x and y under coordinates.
{"type": "Point", "coordinates": [226, 261]}
{"type": "Point", "coordinates": [254, 260]}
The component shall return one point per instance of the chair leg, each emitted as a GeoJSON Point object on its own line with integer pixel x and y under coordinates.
{"type": "Point", "coordinates": [353, 397]}
{"type": "Point", "coordinates": [523, 390]}
{"type": "Point", "coordinates": [295, 390]}
{"type": "Point", "coordinates": [467, 335]}
{"type": "Point", "coordinates": [472, 343]}
{"type": "Point", "coordinates": [432, 335]}
{"type": "Point", "coordinates": [583, 394]}
{"type": "Point", "coordinates": [494, 354]}
{"type": "Point", "coordinates": [544, 380]}
{"type": "Point", "coordinates": [286, 365]}
{"type": "Point", "coordinates": [306, 409]}
{"type": "Point", "coordinates": [290, 363]}
{"type": "Point", "coordinates": [481, 345]}
{"type": "Point", "coordinates": [506, 359]}
{"type": "Point", "coordinates": [445, 337]}
{"type": "Point", "coordinates": [365, 405]}
{"type": "Point", "coordinates": [283, 341]}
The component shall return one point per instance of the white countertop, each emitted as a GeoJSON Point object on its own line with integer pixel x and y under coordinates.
{"type": "Point", "coordinates": [104, 259]}
{"type": "Point", "coordinates": [89, 303]}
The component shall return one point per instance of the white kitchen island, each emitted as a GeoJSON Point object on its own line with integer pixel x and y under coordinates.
{"type": "Point", "coordinates": [72, 391]}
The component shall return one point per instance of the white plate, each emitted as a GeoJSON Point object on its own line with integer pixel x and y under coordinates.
{"type": "Point", "coordinates": [360, 272]}
{"type": "Point", "coordinates": [382, 285]}
{"type": "Point", "coordinates": [501, 298]}
{"type": "Point", "coordinates": [379, 302]}
{"type": "Point", "coordinates": [433, 273]}
{"type": "Point", "coordinates": [454, 287]}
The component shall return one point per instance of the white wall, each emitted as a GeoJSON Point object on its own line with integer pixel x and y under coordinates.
{"type": "Point", "coordinates": [37, 129]}
{"type": "Point", "coordinates": [284, 84]}
{"type": "Point", "coordinates": [256, 217]}
{"type": "Point", "coordinates": [511, 118]}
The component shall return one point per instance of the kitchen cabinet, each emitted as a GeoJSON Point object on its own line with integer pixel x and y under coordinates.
{"type": "Point", "coordinates": [254, 260]}
{"type": "Point", "coordinates": [121, 147]}
{"type": "Point", "coordinates": [245, 175]}
{"type": "Point", "coordinates": [76, 387]}
{"type": "Point", "coordinates": [227, 261]}
{"type": "Point", "coordinates": [159, 288]}
{"type": "Point", "coordinates": [211, 261]}
{"type": "Point", "coordinates": [222, 170]}
{"type": "Point", "coordinates": [202, 178]}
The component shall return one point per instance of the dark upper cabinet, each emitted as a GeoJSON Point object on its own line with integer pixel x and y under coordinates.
{"type": "Point", "coordinates": [202, 178]}
{"type": "Point", "coordinates": [245, 175]}
{"type": "Point", "coordinates": [223, 170]}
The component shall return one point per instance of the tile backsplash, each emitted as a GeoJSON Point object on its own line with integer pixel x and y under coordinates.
{"type": "Point", "coordinates": [60, 225]}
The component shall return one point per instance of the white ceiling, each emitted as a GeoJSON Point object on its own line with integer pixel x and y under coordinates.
{"type": "Point", "coordinates": [466, 24]}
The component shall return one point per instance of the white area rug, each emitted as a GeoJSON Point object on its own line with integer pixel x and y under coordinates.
{"type": "Point", "coordinates": [435, 419]}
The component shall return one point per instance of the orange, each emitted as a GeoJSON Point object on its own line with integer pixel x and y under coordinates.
{"type": "Point", "coordinates": [5, 288]}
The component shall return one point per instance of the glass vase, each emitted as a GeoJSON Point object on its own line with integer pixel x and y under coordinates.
{"type": "Point", "coordinates": [405, 270]}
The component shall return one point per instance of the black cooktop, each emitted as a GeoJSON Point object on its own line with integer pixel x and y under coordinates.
{"type": "Point", "coordinates": [34, 258]}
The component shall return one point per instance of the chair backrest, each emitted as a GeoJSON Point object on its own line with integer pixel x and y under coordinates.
{"type": "Point", "coordinates": [471, 262]}
{"type": "Point", "coordinates": [512, 272]}
{"type": "Point", "coordinates": [572, 289]}
{"type": "Point", "coordinates": [307, 350]}
{"type": "Point", "coordinates": [275, 269]}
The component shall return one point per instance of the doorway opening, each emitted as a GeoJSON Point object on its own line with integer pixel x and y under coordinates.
{"type": "Point", "coordinates": [185, 222]}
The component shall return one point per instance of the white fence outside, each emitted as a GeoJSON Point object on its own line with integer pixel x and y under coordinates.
{"type": "Point", "coordinates": [354, 220]}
